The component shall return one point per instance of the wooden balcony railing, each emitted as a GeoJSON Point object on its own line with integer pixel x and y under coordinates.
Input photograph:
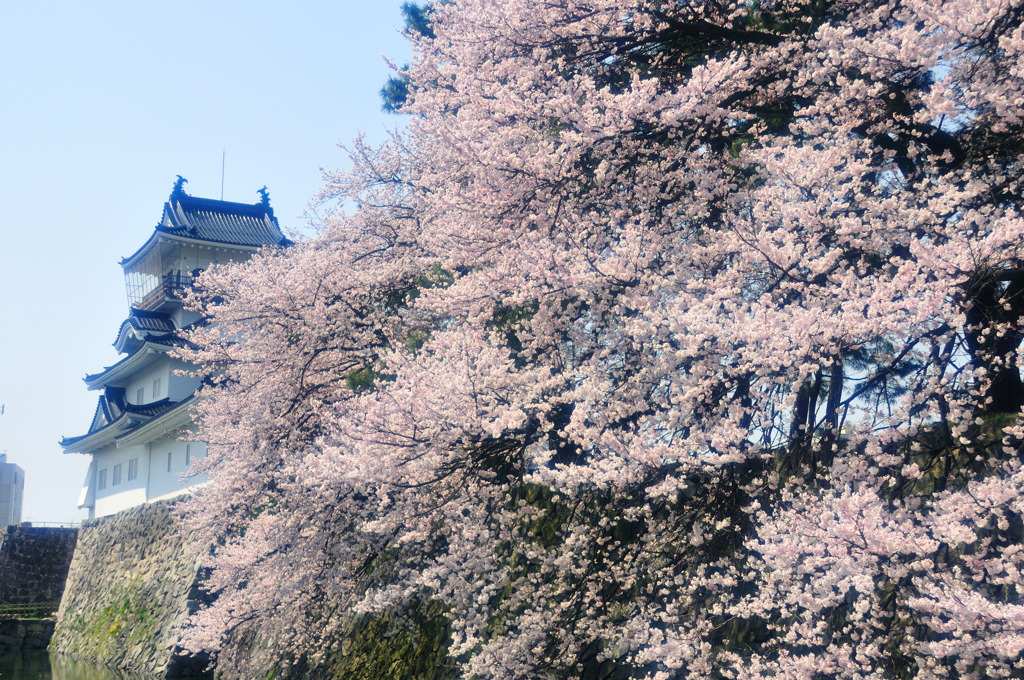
{"type": "Point", "coordinates": [172, 285]}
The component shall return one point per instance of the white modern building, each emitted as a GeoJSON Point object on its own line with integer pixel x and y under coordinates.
{"type": "Point", "coordinates": [12, 489]}
{"type": "Point", "coordinates": [138, 438]}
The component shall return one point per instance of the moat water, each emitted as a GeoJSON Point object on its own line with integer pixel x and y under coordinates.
{"type": "Point", "coordinates": [42, 665]}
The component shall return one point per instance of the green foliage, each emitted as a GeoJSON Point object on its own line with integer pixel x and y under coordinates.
{"type": "Point", "coordinates": [417, 19]}
{"type": "Point", "coordinates": [945, 464]}
{"type": "Point", "coordinates": [395, 93]}
{"type": "Point", "coordinates": [407, 645]}
{"type": "Point", "coordinates": [28, 611]}
{"type": "Point", "coordinates": [362, 380]}
{"type": "Point", "coordinates": [417, 338]}
{"type": "Point", "coordinates": [508, 319]}
{"type": "Point", "coordinates": [435, 277]}
{"type": "Point", "coordinates": [400, 298]}
{"type": "Point", "coordinates": [129, 620]}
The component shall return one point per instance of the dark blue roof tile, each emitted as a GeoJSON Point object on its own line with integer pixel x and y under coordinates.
{"type": "Point", "coordinates": [206, 219]}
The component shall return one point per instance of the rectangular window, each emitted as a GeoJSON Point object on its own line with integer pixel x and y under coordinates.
{"type": "Point", "coordinates": [133, 469]}
{"type": "Point", "coordinates": [156, 389]}
{"type": "Point", "coordinates": [115, 475]}
{"type": "Point", "coordinates": [140, 395]}
{"type": "Point", "coordinates": [170, 460]}
{"type": "Point", "coordinates": [188, 455]}
{"type": "Point", "coordinates": [101, 480]}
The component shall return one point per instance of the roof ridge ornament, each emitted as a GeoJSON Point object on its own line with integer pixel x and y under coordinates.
{"type": "Point", "coordinates": [265, 201]}
{"type": "Point", "coordinates": [178, 191]}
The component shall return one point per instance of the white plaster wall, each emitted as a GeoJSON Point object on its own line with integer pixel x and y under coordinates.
{"type": "Point", "coordinates": [153, 482]}
{"type": "Point", "coordinates": [164, 483]}
{"type": "Point", "coordinates": [126, 493]}
{"type": "Point", "coordinates": [177, 387]}
{"type": "Point", "coordinates": [183, 317]}
{"type": "Point", "coordinates": [180, 386]}
{"type": "Point", "coordinates": [144, 379]}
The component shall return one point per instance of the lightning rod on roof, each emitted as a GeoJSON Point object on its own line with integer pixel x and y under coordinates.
{"type": "Point", "coordinates": [223, 158]}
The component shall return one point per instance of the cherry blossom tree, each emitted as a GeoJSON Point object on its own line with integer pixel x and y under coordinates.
{"type": "Point", "coordinates": [668, 340]}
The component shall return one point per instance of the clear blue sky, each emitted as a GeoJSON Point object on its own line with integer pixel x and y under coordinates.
{"type": "Point", "coordinates": [101, 105]}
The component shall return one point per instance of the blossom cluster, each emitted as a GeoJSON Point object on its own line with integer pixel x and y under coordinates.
{"type": "Point", "coordinates": [667, 340]}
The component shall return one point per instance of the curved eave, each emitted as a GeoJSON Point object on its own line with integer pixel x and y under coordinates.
{"type": "Point", "coordinates": [176, 418]}
{"type": "Point", "coordinates": [105, 436]}
{"type": "Point", "coordinates": [128, 333]}
{"type": "Point", "coordinates": [159, 236]}
{"type": "Point", "coordinates": [132, 428]}
{"type": "Point", "coordinates": [142, 357]}
{"type": "Point", "coordinates": [123, 344]}
{"type": "Point", "coordinates": [153, 239]}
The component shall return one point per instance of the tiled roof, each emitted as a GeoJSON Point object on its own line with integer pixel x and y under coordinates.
{"type": "Point", "coordinates": [144, 326]}
{"type": "Point", "coordinates": [112, 408]}
{"type": "Point", "coordinates": [140, 326]}
{"type": "Point", "coordinates": [114, 404]}
{"type": "Point", "coordinates": [248, 225]}
{"type": "Point", "coordinates": [206, 219]}
{"type": "Point", "coordinates": [151, 410]}
{"type": "Point", "coordinates": [143, 320]}
{"type": "Point", "coordinates": [160, 340]}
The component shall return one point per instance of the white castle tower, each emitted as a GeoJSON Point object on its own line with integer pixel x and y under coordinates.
{"type": "Point", "coordinates": [137, 438]}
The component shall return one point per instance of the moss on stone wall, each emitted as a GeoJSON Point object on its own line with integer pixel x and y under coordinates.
{"type": "Point", "coordinates": [129, 620]}
{"type": "Point", "coordinates": [413, 646]}
{"type": "Point", "coordinates": [128, 592]}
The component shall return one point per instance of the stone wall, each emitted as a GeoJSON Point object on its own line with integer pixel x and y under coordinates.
{"type": "Point", "coordinates": [34, 563]}
{"type": "Point", "coordinates": [17, 635]}
{"type": "Point", "coordinates": [130, 589]}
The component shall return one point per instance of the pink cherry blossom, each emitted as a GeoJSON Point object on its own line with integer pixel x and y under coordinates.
{"type": "Point", "coordinates": [668, 340]}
